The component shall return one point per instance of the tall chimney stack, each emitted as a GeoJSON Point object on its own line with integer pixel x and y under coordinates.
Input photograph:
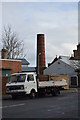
{"type": "Point", "coordinates": [40, 53]}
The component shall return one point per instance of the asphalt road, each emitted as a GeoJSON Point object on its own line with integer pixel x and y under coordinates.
{"type": "Point", "coordinates": [62, 106]}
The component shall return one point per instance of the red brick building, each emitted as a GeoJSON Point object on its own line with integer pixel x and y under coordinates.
{"type": "Point", "coordinates": [78, 71]}
{"type": "Point", "coordinates": [77, 57]}
{"type": "Point", "coordinates": [77, 53]}
{"type": "Point", "coordinates": [7, 67]}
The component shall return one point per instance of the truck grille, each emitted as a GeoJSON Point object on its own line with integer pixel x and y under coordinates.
{"type": "Point", "coordinates": [15, 87]}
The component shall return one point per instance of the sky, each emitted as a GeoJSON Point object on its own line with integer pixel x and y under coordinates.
{"type": "Point", "coordinates": [57, 20]}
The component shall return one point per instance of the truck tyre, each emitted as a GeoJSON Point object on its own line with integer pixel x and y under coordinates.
{"type": "Point", "coordinates": [55, 92]}
{"type": "Point", "coordinates": [32, 94]}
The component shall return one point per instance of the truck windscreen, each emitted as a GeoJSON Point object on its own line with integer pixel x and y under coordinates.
{"type": "Point", "coordinates": [17, 78]}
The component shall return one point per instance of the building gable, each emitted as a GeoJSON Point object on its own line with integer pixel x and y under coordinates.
{"type": "Point", "coordinates": [59, 68]}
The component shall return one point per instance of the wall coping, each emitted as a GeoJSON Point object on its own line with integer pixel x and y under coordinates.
{"type": "Point", "coordinates": [9, 60]}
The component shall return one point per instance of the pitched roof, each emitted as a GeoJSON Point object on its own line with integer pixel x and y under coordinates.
{"type": "Point", "coordinates": [24, 61]}
{"type": "Point", "coordinates": [73, 63]}
{"type": "Point", "coordinates": [28, 69]}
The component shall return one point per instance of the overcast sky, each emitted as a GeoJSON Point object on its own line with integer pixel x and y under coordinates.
{"type": "Point", "coordinates": [57, 20]}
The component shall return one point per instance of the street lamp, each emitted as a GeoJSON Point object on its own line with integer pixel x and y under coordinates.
{"type": "Point", "coordinates": [38, 63]}
{"type": "Point", "coordinates": [38, 69]}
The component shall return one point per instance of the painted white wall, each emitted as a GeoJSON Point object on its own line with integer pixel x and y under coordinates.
{"type": "Point", "coordinates": [60, 68]}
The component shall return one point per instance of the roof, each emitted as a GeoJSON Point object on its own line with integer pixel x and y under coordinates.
{"type": "Point", "coordinates": [28, 69]}
{"type": "Point", "coordinates": [73, 63]}
{"type": "Point", "coordinates": [24, 61]}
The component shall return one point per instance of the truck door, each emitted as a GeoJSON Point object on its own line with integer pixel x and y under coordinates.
{"type": "Point", "coordinates": [31, 83]}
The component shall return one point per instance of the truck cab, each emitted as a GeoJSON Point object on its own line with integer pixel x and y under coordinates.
{"type": "Point", "coordinates": [22, 83]}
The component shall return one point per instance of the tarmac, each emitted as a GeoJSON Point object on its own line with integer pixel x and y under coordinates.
{"type": "Point", "coordinates": [70, 90]}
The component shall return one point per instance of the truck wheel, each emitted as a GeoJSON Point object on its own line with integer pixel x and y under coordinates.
{"type": "Point", "coordinates": [32, 94]}
{"type": "Point", "coordinates": [54, 92]}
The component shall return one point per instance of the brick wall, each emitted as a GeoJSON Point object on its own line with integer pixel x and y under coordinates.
{"type": "Point", "coordinates": [4, 81]}
{"type": "Point", "coordinates": [0, 68]}
{"type": "Point", "coordinates": [60, 77]}
{"type": "Point", "coordinates": [0, 72]}
{"type": "Point", "coordinates": [43, 77]}
{"type": "Point", "coordinates": [0, 63]}
{"type": "Point", "coordinates": [14, 65]}
{"type": "Point", "coordinates": [77, 53]}
{"type": "Point", "coordinates": [78, 50]}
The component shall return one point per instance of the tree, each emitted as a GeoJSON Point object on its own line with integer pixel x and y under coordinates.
{"type": "Point", "coordinates": [12, 44]}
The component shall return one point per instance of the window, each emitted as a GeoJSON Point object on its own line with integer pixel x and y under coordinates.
{"type": "Point", "coordinates": [21, 78]}
{"type": "Point", "coordinates": [58, 62]}
{"type": "Point", "coordinates": [12, 78]}
{"type": "Point", "coordinates": [5, 72]}
{"type": "Point", "coordinates": [17, 78]}
{"type": "Point", "coordinates": [30, 78]}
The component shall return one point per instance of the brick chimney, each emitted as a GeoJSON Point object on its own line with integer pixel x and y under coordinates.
{"type": "Point", "coordinates": [4, 54]}
{"type": "Point", "coordinates": [40, 53]}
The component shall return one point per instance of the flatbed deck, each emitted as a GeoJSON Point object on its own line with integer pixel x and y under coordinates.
{"type": "Point", "coordinates": [52, 83]}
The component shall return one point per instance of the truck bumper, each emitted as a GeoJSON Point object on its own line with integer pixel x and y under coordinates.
{"type": "Point", "coordinates": [15, 92]}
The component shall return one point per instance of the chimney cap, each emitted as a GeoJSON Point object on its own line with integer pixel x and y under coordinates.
{"type": "Point", "coordinates": [4, 50]}
{"type": "Point", "coordinates": [40, 34]}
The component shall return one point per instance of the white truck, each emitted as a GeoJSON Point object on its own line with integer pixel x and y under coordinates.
{"type": "Point", "coordinates": [27, 83]}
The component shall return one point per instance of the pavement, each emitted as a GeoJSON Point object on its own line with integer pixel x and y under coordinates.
{"type": "Point", "coordinates": [70, 90]}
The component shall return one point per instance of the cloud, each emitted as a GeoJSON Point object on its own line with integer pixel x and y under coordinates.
{"type": "Point", "coordinates": [58, 21]}
{"type": "Point", "coordinates": [39, 1]}
{"type": "Point", "coordinates": [0, 27]}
